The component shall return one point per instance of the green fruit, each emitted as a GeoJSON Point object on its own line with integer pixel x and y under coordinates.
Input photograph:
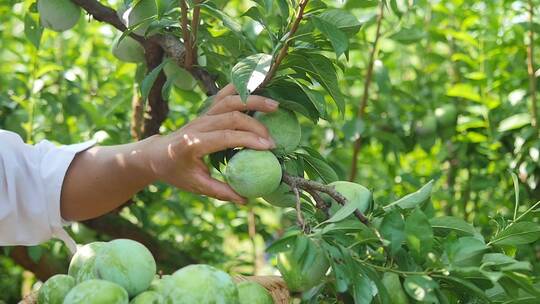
{"type": "Point", "coordinates": [426, 132]}
{"type": "Point", "coordinates": [182, 79]}
{"type": "Point", "coordinates": [284, 129]}
{"type": "Point", "coordinates": [446, 115]}
{"type": "Point", "coordinates": [393, 285]}
{"type": "Point", "coordinates": [55, 289]}
{"type": "Point", "coordinates": [282, 197]}
{"type": "Point", "coordinates": [97, 292]}
{"type": "Point", "coordinates": [128, 264]}
{"type": "Point", "coordinates": [197, 284]}
{"type": "Point", "coordinates": [136, 16]}
{"type": "Point", "coordinates": [162, 285]}
{"type": "Point", "coordinates": [355, 193]}
{"type": "Point", "coordinates": [128, 49]}
{"type": "Point", "coordinates": [148, 297]}
{"type": "Point", "coordinates": [82, 265]}
{"type": "Point", "coordinates": [427, 126]}
{"type": "Point", "coordinates": [253, 173]}
{"type": "Point", "coordinates": [253, 293]}
{"type": "Point", "coordinates": [58, 15]}
{"type": "Point", "coordinates": [301, 275]}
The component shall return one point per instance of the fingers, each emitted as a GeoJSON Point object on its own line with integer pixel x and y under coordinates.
{"type": "Point", "coordinates": [223, 139]}
{"type": "Point", "coordinates": [220, 190]}
{"type": "Point", "coordinates": [234, 103]}
{"type": "Point", "coordinates": [227, 90]}
{"type": "Point", "coordinates": [232, 121]}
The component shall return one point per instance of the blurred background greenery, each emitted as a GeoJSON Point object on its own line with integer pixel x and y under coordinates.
{"type": "Point", "coordinates": [470, 54]}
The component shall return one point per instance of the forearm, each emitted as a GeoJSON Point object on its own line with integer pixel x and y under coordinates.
{"type": "Point", "coordinates": [103, 178]}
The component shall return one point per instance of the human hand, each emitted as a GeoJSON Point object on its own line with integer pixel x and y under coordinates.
{"type": "Point", "coordinates": [177, 158]}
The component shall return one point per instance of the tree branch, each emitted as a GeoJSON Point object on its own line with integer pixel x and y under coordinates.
{"type": "Point", "coordinates": [137, 110]}
{"type": "Point", "coordinates": [530, 67]}
{"type": "Point", "coordinates": [285, 48]}
{"type": "Point", "coordinates": [307, 185]}
{"type": "Point", "coordinates": [44, 268]}
{"type": "Point", "coordinates": [105, 14]}
{"type": "Point", "coordinates": [157, 108]}
{"type": "Point", "coordinates": [319, 202]}
{"type": "Point", "coordinates": [194, 29]}
{"type": "Point", "coordinates": [365, 97]}
{"type": "Point", "coordinates": [186, 34]}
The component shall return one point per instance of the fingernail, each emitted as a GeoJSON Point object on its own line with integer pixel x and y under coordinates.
{"type": "Point", "coordinates": [271, 103]}
{"type": "Point", "coordinates": [269, 143]}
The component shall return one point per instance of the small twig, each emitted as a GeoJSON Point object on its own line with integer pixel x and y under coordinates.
{"type": "Point", "coordinates": [530, 67]}
{"type": "Point", "coordinates": [365, 96]}
{"type": "Point", "coordinates": [319, 202]}
{"type": "Point", "coordinates": [307, 185]}
{"type": "Point", "coordinates": [285, 48]}
{"type": "Point", "coordinates": [299, 216]}
{"type": "Point", "coordinates": [185, 33]}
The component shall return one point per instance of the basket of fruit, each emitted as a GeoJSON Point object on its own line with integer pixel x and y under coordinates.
{"type": "Point", "coordinates": [122, 271]}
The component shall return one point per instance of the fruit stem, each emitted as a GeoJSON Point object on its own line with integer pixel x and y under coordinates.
{"type": "Point", "coordinates": [301, 183]}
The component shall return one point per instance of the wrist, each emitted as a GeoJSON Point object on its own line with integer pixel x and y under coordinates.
{"type": "Point", "coordinates": [146, 157]}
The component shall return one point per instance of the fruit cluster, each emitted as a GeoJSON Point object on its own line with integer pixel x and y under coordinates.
{"type": "Point", "coordinates": [115, 272]}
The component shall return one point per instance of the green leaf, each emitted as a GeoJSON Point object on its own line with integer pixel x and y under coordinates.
{"type": "Point", "coordinates": [421, 288]}
{"type": "Point", "coordinates": [361, 289]}
{"type": "Point", "coordinates": [344, 226]}
{"type": "Point", "coordinates": [150, 78]}
{"type": "Point", "coordinates": [525, 282]}
{"type": "Point", "coordinates": [514, 122]}
{"type": "Point", "coordinates": [468, 285]}
{"type": "Point", "coordinates": [445, 224]}
{"type": "Point", "coordinates": [345, 211]}
{"type": "Point", "coordinates": [341, 19]}
{"type": "Point", "coordinates": [413, 199]}
{"type": "Point", "coordinates": [163, 6]}
{"type": "Point", "coordinates": [515, 181]}
{"type": "Point", "coordinates": [291, 96]}
{"type": "Point", "coordinates": [339, 40]}
{"type": "Point", "coordinates": [285, 243]}
{"type": "Point", "coordinates": [408, 35]}
{"type": "Point", "coordinates": [518, 234]}
{"type": "Point", "coordinates": [392, 229]}
{"type": "Point", "coordinates": [418, 234]}
{"type": "Point", "coordinates": [33, 30]}
{"type": "Point", "coordinates": [504, 262]}
{"type": "Point", "coordinates": [35, 253]}
{"type": "Point", "coordinates": [466, 251]}
{"type": "Point", "coordinates": [465, 91]}
{"type": "Point", "coordinates": [322, 70]}
{"type": "Point", "coordinates": [249, 73]}
{"type": "Point", "coordinates": [300, 247]}
{"type": "Point", "coordinates": [228, 22]}
{"type": "Point", "coordinates": [316, 167]}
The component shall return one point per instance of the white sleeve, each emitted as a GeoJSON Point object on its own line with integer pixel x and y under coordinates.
{"type": "Point", "coordinates": [31, 179]}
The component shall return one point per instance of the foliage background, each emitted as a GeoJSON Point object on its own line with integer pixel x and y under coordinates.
{"type": "Point", "coordinates": [469, 53]}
